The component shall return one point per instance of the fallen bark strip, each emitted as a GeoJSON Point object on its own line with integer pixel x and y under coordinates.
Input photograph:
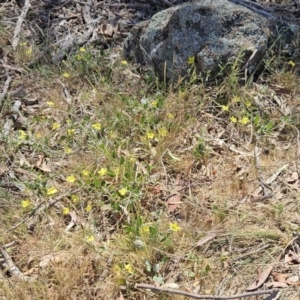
{"type": "Point", "coordinates": [197, 296]}
{"type": "Point", "coordinates": [20, 21]}
{"type": "Point", "coordinates": [6, 86]}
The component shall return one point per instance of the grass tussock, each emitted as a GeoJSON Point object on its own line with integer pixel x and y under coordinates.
{"type": "Point", "coordinates": [103, 147]}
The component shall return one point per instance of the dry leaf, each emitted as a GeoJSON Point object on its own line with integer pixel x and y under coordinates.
{"type": "Point", "coordinates": [292, 178]}
{"type": "Point", "coordinates": [263, 276]}
{"type": "Point", "coordinates": [53, 259]}
{"type": "Point", "coordinates": [43, 164]}
{"type": "Point", "coordinates": [284, 278]}
{"type": "Point", "coordinates": [73, 220]}
{"type": "Point", "coordinates": [121, 296]}
{"type": "Point", "coordinates": [174, 202]}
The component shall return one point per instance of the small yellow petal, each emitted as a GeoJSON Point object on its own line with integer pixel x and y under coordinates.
{"type": "Point", "coordinates": [66, 75]}
{"type": "Point", "coordinates": [82, 49]}
{"type": "Point", "coordinates": [191, 60]}
{"type": "Point", "coordinates": [145, 229]}
{"type": "Point", "coordinates": [102, 171]}
{"type": "Point", "coordinates": [124, 62]}
{"type": "Point", "coordinates": [174, 227]}
{"type": "Point", "coordinates": [291, 63]}
{"type": "Point", "coordinates": [25, 203]}
{"type": "Point", "coordinates": [71, 131]}
{"type": "Point", "coordinates": [51, 191]}
{"type": "Point", "coordinates": [71, 178]}
{"type": "Point", "coordinates": [225, 107]}
{"type": "Point", "coordinates": [66, 210]}
{"type": "Point", "coordinates": [85, 172]}
{"type": "Point", "coordinates": [150, 135]}
{"type": "Point", "coordinates": [97, 126]}
{"type": "Point", "coordinates": [123, 191]}
{"type": "Point", "coordinates": [88, 208]}
{"type": "Point", "coordinates": [162, 132]}
{"type": "Point", "coordinates": [244, 121]}
{"type": "Point", "coordinates": [233, 119]}
{"type": "Point", "coordinates": [90, 238]}
{"type": "Point", "coordinates": [68, 150]}
{"type": "Point", "coordinates": [75, 198]}
{"type": "Point", "coordinates": [128, 268]}
{"type": "Point", "coordinates": [55, 126]}
{"type": "Point", "coordinates": [50, 103]}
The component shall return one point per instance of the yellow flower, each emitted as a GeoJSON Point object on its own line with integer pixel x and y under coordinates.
{"type": "Point", "coordinates": [174, 227]}
{"type": "Point", "coordinates": [78, 56]}
{"type": "Point", "coordinates": [248, 103]}
{"type": "Point", "coordinates": [68, 150]}
{"type": "Point", "coordinates": [38, 135]}
{"type": "Point", "coordinates": [244, 121]}
{"type": "Point", "coordinates": [124, 62]}
{"type": "Point", "coordinates": [29, 51]}
{"type": "Point", "coordinates": [233, 119]}
{"type": "Point", "coordinates": [291, 63]}
{"type": "Point", "coordinates": [225, 107]}
{"type": "Point", "coordinates": [236, 99]}
{"type": "Point", "coordinates": [71, 178]}
{"type": "Point", "coordinates": [75, 198]}
{"type": "Point", "coordinates": [71, 131]}
{"type": "Point", "coordinates": [170, 116]}
{"type": "Point", "coordinates": [82, 49]}
{"type": "Point", "coordinates": [22, 135]}
{"type": "Point", "coordinates": [154, 103]}
{"type": "Point", "coordinates": [50, 103]}
{"type": "Point", "coordinates": [102, 171]}
{"type": "Point", "coordinates": [162, 132]}
{"type": "Point", "coordinates": [112, 134]}
{"type": "Point", "coordinates": [123, 191]}
{"type": "Point", "coordinates": [88, 207]}
{"type": "Point", "coordinates": [85, 172]}
{"type": "Point", "coordinates": [145, 229]}
{"type": "Point", "coordinates": [55, 126]}
{"type": "Point", "coordinates": [68, 121]}
{"type": "Point", "coordinates": [128, 268]}
{"type": "Point", "coordinates": [150, 135]}
{"type": "Point", "coordinates": [66, 75]}
{"type": "Point", "coordinates": [97, 126]}
{"type": "Point", "coordinates": [51, 191]}
{"type": "Point", "coordinates": [90, 238]}
{"type": "Point", "coordinates": [26, 203]}
{"type": "Point", "coordinates": [191, 60]}
{"type": "Point", "coordinates": [66, 210]}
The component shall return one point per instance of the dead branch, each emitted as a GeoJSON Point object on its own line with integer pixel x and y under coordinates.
{"type": "Point", "coordinates": [20, 21]}
{"type": "Point", "coordinates": [197, 296]}
{"type": "Point", "coordinates": [12, 268]}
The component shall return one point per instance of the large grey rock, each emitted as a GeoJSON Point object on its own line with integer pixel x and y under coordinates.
{"type": "Point", "coordinates": [211, 31]}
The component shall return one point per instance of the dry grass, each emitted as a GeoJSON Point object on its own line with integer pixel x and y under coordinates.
{"type": "Point", "coordinates": [126, 146]}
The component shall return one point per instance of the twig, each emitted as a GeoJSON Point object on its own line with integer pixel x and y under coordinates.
{"type": "Point", "coordinates": [197, 296]}
{"type": "Point", "coordinates": [20, 21]}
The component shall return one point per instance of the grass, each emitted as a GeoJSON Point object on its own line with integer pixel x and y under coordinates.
{"type": "Point", "coordinates": [112, 148]}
